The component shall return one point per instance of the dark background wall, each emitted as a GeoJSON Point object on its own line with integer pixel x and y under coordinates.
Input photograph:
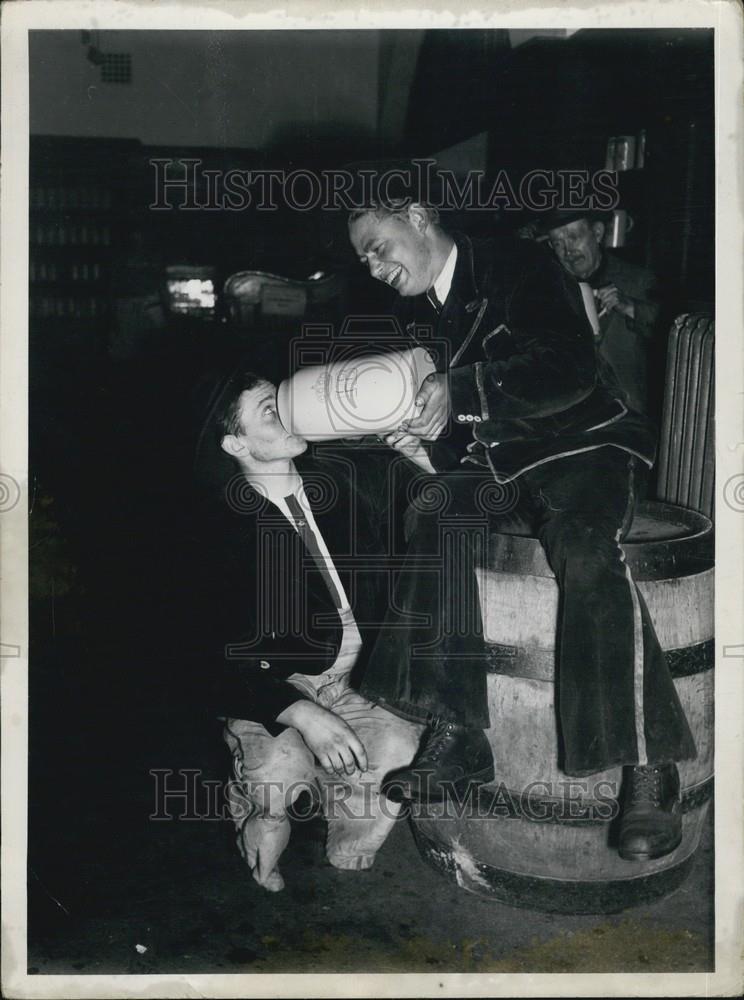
{"type": "Point", "coordinates": [207, 88]}
{"type": "Point", "coordinates": [556, 102]}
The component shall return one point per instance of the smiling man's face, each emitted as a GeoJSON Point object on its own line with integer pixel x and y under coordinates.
{"type": "Point", "coordinates": [397, 249]}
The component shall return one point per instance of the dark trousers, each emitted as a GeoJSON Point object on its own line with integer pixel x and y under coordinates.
{"type": "Point", "coordinates": [616, 700]}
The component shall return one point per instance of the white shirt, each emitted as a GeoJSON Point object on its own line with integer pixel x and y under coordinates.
{"type": "Point", "coordinates": [444, 282]}
{"type": "Point", "coordinates": [590, 306]}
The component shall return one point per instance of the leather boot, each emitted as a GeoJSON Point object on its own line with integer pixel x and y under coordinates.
{"type": "Point", "coordinates": [451, 760]}
{"type": "Point", "coordinates": [651, 823]}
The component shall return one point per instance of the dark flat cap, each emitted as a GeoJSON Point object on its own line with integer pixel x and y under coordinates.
{"type": "Point", "coordinates": [212, 468]}
{"type": "Point", "coordinates": [558, 217]}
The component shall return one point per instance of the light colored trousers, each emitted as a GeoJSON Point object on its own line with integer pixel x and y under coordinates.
{"type": "Point", "coordinates": [272, 771]}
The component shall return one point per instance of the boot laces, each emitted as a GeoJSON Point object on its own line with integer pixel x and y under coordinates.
{"type": "Point", "coordinates": [439, 741]}
{"type": "Point", "coordinates": [646, 785]}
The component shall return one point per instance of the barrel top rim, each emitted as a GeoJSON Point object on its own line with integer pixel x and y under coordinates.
{"type": "Point", "coordinates": [699, 524]}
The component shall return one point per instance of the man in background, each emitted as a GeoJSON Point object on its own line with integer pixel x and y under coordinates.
{"type": "Point", "coordinates": [626, 299]}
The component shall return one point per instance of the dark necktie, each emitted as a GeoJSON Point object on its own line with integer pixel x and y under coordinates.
{"type": "Point", "coordinates": [307, 535]}
{"type": "Point", "coordinates": [434, 301]}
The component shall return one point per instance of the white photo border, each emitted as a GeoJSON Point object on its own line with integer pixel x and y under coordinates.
{"type": "Point", "coordinates": [725, 17]}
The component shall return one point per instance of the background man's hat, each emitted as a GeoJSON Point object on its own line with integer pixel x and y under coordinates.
{"type": "Point", "coordinates": [558, 217]}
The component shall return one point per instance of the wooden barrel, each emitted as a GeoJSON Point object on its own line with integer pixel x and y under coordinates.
{"type": "Point", "coordinates": [535, 837]}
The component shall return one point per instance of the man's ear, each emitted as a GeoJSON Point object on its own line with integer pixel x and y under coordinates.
{"type": "Point", "coordinates": [418, 216]}
{"type": "Point", "coordinates": [598, 228]}
{"type": "Point", "coordinates": [231, 445]}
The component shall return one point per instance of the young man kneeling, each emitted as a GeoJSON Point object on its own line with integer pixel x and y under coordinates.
{"type": "Point", "coordinates": [292, 599]}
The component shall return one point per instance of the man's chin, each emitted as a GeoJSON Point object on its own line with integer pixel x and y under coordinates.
{"type": "Point", "coordinates": [582, 271]}
{"type": "Point", "coordinates": [407, 290]}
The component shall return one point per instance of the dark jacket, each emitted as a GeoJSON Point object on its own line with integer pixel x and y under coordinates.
{"type": "Point", "coordinates": [625, 343]}
{"type": "Point", "coordinates": [262, 610]}
{"type": "Point", "coordinates": [524, 378]}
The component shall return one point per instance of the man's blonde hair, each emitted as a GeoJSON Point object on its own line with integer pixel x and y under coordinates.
{"type": "Point", "coordinates": [392, 207]}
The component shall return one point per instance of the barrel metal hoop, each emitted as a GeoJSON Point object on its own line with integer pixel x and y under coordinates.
{"type": "Point", "coordinates": [554, 895]}
{"type": "Point", "coordinates": [538, 664]}
{"type": "Point", "coordinates": [694, 659]}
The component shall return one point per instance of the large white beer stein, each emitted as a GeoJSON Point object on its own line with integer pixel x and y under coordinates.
{"type": "Point", "coordinates": [368, 394]}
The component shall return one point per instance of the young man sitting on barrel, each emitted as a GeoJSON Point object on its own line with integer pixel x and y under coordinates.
{"type": "Point", "coordinates": [286, 595]}
{"type": "Point", "coordinates": [519, 402]}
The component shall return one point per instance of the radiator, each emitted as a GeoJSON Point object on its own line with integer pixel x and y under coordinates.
{"type": "Point", "coordinates": [686, 463]}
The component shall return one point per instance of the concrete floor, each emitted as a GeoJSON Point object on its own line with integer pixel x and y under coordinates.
{"type": "Point", "coordinates": [106, 879]}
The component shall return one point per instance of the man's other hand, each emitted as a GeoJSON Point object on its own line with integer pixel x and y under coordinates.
{"type": "Point", "coordinates": [337, 747]}
{"type": "Point", "coordinates": [411, 447]}
{"type": "Point", "coordinates": [433, 398]}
